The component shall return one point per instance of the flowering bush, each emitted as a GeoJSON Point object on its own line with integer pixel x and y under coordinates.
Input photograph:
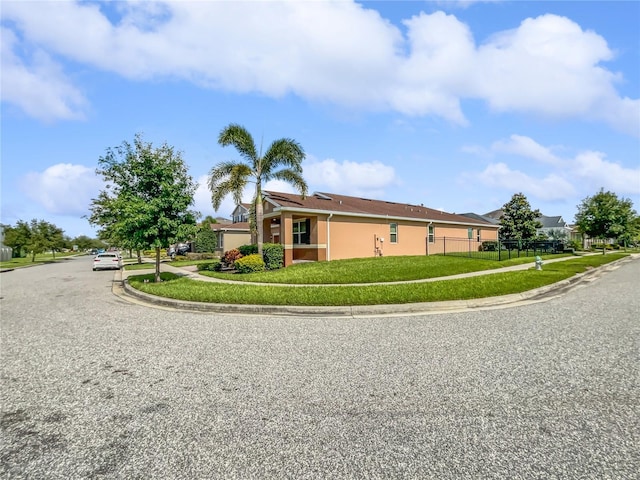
{"type": "Point", "coordinates": [231, 256]}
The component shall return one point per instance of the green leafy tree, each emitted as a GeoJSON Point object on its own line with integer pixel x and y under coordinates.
{"type": "Point", "coordinates": [518, 221]}
{"type": "Point", "coordinates": [147, 199]}
{"type": "Point", "coordinates": [208, 220]}
{"type": "Point", "coordinates": [83, 242]}
{"type": "Point", "coordinates": [17, 237]}
{"type": "Point", "coordinates": [282, 161]}
{"type": "Point", "coordinates": [604, 215]}
{"type": "Point", "coordinates": [43, 237]}
{"type": "Point", "coordinates": [206, 239]}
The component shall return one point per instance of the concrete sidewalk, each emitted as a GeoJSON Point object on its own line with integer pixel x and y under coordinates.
{"type": "Point", "coordinates": [122, 288]}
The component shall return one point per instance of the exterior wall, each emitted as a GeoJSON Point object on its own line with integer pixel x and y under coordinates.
{"type": "Point", "coordinates": [457, 236]}
{"type": "Point", "coordinates": [231, 240]}
{"type": "Point", "coordinates": [353, 237]}
{"type": "Point", "coordinates": [339, 237]}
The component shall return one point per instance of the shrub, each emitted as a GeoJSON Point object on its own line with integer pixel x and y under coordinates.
{"type": "Point", "coordinates": [575, 244]}
{"type": "Point", "coordinates": [250, 264]}
{"type": "Point", "coordinates": [248, 249]}
{"type": "Point", "coordinates": [489, 246]}
{"type": "Point", "coordinates": [206, 241]}
{"type": "Point", "coordinates": [231, 256]}
{"type": "Point", "coordinates": [273, 254]}
{"type": "Point", "coordinates": [209, 266]}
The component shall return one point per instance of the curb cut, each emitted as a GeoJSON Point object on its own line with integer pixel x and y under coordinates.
{"type": "Point", "coordinates": [506, 301]}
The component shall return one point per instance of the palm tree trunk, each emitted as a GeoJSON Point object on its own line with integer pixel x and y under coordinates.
{"type": "Point", "coordinates": [259, 219]}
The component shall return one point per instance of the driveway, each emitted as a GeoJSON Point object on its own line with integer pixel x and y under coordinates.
{"type": "Point", "coordinates": [93, 386]}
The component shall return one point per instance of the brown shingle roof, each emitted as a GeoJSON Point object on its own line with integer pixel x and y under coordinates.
{"type": "Point", "coordinates": [330, 202]}
{"type": "Point", "coordinates": [230, 226]}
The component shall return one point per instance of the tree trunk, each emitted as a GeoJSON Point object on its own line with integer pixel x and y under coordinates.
{"type": "Point", "coordinates": [139, 254]}
{"type": "Point", "coordinates": [259, 220]}
{"type": "Point", "coordinates": [157, 276]}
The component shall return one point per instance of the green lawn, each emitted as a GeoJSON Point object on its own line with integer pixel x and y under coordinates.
{"type": "Point", "coordinates": [40, 259]}
{"type": "Point", "coordinates": [175, 263]}
{"type": "Point", "coordinates": [372, 270]}
{"type": "Point", "coordinates": [477, 287]}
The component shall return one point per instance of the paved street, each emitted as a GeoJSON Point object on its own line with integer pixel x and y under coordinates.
{"type": "Point", "coordinates": [95, 387]}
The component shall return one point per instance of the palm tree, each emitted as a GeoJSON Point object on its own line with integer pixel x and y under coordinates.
{"type": "Point", "coordinates": [282, 161]}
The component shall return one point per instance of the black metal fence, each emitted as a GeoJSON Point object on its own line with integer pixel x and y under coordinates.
{"type": "Point", "coordinates": [495, 250]}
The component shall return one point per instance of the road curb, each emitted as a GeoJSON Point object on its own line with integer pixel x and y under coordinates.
{"type": "Point", "coordinates": [505, 301]}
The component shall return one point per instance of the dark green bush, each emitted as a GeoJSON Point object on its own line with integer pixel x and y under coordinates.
{"type": "Point", "coordinates": [489, 246]}
{"type": "Point", "coordinates": [209, 266]}
{"type": "Point", "coordinates": [273, 254]}
{"type": "Point", "coordinates": [250, 264]}
{"type": "Point", "coordinates": [206, 241]}
{"type": "Point", "coordinates": [248, 249]}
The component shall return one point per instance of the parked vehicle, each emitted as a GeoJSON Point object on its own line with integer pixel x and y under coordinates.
{"type": "Point", "coordinates": [179, 249]}
{"type": "Point", "coordinates": [104, 261]}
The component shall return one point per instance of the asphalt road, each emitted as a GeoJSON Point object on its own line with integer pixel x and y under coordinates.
{"type": "Point", "coordinates": [95, 387]}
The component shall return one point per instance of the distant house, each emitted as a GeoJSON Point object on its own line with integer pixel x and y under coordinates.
{"type": "Point", "coordinates": [241, 213]}
{"type": "Point", "coordinates": [327, 226]}
{"type": "Point", "coordinates": [551, 226]}
{"type": "Point", "coordinates": [554, 227]}
{"type": "Point", "coordinates": [5, 252]}
{"type": "Point", "coordinates": [231, 235]}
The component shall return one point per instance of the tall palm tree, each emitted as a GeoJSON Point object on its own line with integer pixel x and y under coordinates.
{"type": "Point", "coordinates": [282, 161]}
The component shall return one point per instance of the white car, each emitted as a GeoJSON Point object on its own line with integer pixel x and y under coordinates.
{"type": "Point", "coordinates": [107, 260]}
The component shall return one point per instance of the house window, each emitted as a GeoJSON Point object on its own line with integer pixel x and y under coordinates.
{"type": "Point", "coordinates": [393, 232]}
{"type": "Point", "coordinates": [301, 232]}
{"type": "Point", "coordinates": [469, 233]}
{"type": "Point", "coordinates": [478, 236]}
{"type": "Point", "coordinates": [432, 234]}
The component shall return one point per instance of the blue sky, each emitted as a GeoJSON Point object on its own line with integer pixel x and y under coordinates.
{"type": "Point", "coordinates": [454, 105]}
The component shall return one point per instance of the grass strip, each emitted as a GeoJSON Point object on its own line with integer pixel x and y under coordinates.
{"type": "Point", "coordinates": [40, 259]}
{"type": "Point", "coordinates": [372, 270]}
{"type": "Point", "coordinates": [181, 288]}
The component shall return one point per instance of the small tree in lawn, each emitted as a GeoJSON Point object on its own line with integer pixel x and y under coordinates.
{"type": "Point", "coordinates": [147, 197]}
{"type": "Point", "coordinates": [282, 161]}
{"type": "Point", "coordinates": [604, 215]}
{"type": "Point", "coordinates": [518, 221]}
{"type": "Point", "coordinates": [206, 238]}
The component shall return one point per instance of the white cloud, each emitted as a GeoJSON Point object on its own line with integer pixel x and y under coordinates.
{"type": "Point", "coordinates": [359, 179]}
{"type": "Point", "coordinates": [596, 172]}
{"type": "Point", "coordinates": [551, 187]}
{"type": "Point", "coordinates": [63, 189]}
{"type": "Point", "coordinates": [336, 51]}
{"type": "Point", "coordinates": [526, 147]}
{"type": "Point", "coordinates": [559, 178]}
{"type": "Point", "coordinates": [40, 88]}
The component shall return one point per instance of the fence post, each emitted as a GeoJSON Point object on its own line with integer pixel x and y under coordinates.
{"type": "Point", "coordinates": [444, 246]}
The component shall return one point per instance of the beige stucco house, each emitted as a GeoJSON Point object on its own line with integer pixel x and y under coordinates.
{"type": "Point", "coordinates": [327, 226]}
{"type": "Point", "coordinates": [231, 235]}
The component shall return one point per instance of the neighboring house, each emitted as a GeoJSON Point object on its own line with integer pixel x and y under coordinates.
{"type": "Point", "coordinates": [554, 227]}
{"type": "Point", "coordinates": [231, 235]}
{"type": "Point", "coordinates": [550, 225]}
{"type": "Point", "coordinates": [241, 213]}
{"type": "Point", "coordinates": [326, 226]}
